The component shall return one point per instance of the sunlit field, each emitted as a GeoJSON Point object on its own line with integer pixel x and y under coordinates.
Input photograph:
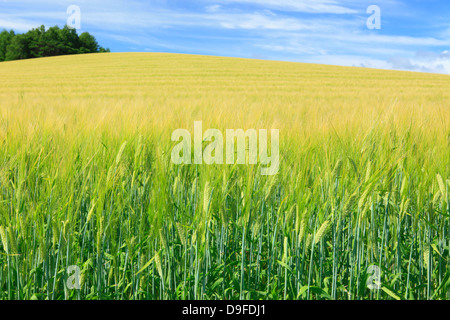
{"type": "Point", "coordinates": [86, 179]}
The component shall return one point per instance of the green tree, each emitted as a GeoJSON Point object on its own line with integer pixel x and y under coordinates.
{"type": "Point", "coordinates": [70, 40]}
{"type": "Point", "coordinates": [18, 48]}
{"type": "Point", "coordinates": [88, 43]}
{"type": "Point", "coordinates": [53, 44]}
{"type": "Point", "coordinates": [5, 40]}
{"type": "Point", "coordinates": [39, 42]}
{"type": "Point", "coordinates": [36, 43]}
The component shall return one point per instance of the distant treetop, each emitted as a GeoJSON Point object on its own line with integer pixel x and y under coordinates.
{"type": "Point", "coordinates": [39, 42]}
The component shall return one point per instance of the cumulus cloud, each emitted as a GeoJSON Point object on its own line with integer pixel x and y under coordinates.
{"type": "Point", "coordinates": [423, 62]}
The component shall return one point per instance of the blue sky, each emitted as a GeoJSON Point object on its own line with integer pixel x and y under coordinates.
{"type": "Point", "coordinates": [414, 35]}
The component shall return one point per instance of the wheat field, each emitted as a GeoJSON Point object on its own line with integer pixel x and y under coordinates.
{"type": "Point", "coordinates": [86, 180]}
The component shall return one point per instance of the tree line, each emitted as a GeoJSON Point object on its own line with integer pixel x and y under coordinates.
{"type": "Point", "coordinates": [40, 42]}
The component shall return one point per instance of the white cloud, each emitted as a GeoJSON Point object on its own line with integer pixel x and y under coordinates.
{"type": "Point", "coordinates": [294, 48]}
{"type": "Point", "coordinates": [317, 6]}
{"type": "Point", "coordinates": [423, 62]}
{"type": "Point", "coordinates": [17, 25]}
{"type": "Point", "coordinates": [434, 63]}
{"type": "Point", "coordinates": [372, 39]}
{"type": "Point", "coordinates": [213, 8]}
{"type": "Point", "coordinates": [260, 21]}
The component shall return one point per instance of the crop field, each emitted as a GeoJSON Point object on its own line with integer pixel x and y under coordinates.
{"type": "Point", "coordinates": [87, 182]}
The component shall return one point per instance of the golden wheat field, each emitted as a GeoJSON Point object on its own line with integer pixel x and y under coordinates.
{"type": "Point", "coordinates": [86, 180]}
